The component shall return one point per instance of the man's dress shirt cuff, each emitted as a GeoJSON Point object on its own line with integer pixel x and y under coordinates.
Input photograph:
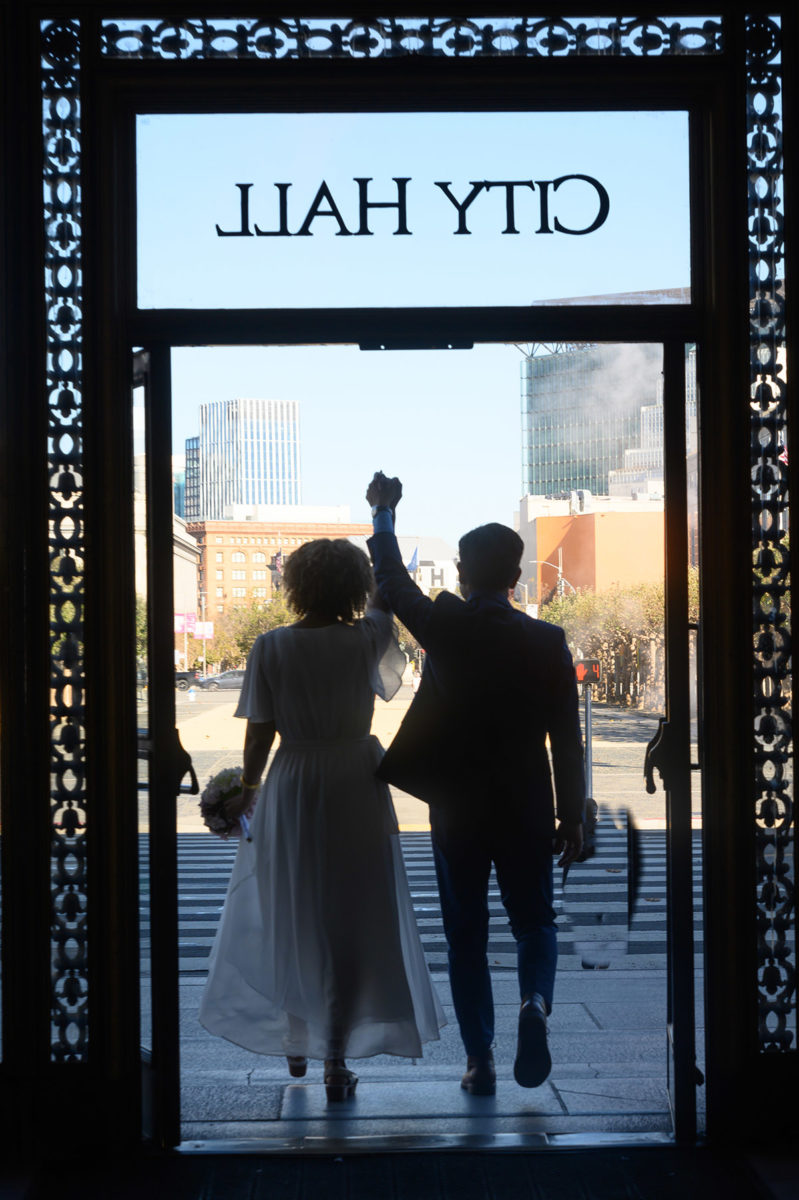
{"type": "Point", "coordinates": [383, 522]}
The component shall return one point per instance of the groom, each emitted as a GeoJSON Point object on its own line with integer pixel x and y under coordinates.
{"type": "Point", "coordinates": [496, 685]}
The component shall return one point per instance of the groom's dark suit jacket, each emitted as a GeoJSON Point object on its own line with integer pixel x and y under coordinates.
{"type": "Point", "coordinates": [496, 683]}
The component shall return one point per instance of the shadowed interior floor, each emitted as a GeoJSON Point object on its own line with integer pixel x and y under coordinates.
{"type": "Point", "coordinates": [651, 1174]}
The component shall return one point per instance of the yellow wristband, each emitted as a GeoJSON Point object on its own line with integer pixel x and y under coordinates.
{"type": "Point", "coordinates": [251, 786]}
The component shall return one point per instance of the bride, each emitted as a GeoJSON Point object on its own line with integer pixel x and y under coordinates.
{"type": "Point", "coordinates": [317, 954]}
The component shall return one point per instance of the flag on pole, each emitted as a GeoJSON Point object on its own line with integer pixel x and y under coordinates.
{"type": "Point", "coordinates": [414, 563]}
{"type": "Point", "coordinates": [279, 561]}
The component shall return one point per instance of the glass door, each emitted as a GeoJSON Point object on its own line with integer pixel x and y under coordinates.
{"type": "Point", "coordinates": [237, 577]}
{"type": "Point", "coordinates": [669, 752]}
{"type": "Point", "coordinates": [163, 763]}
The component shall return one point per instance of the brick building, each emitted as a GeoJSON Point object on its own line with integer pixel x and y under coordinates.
{"type": "Point", "coordinates": [237, 558]}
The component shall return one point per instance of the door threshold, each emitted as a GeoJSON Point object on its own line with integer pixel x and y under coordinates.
{"type": "Point", "coordinates": [399, 1143]}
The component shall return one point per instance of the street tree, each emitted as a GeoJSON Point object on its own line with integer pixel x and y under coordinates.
{"type": "Point", "coordinates": [624, 628]}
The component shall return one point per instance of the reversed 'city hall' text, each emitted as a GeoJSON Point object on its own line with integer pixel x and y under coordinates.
{"type": "Point", "coordinates": [324, 205]}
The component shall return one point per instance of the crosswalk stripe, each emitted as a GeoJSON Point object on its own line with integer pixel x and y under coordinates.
{"type": "Point", "coordinates": [596, 894]}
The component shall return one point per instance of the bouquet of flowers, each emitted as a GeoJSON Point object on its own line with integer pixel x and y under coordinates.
{"type": "Point", "coordinates": [224, 786]}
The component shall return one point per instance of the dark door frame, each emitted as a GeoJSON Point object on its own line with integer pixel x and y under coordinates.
{"type": "Point", "coordinates": [159, 329]}
{"type": "Point", "coordinates": [96, 1101]}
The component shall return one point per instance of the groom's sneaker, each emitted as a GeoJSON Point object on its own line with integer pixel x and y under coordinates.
{"type": "Point", "coordinates": [480, 1078]}
{"type": "Point", "coordinates": [533, 1062]}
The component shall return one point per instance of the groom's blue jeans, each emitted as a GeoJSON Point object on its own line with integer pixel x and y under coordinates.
{"type": "Point", "coordinates": [464, 848]}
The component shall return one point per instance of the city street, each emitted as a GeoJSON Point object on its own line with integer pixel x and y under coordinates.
{"type": "Point", "coordinates": [214, 738]}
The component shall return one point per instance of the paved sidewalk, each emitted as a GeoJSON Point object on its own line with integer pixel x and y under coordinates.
{"type": "Point", "coordinates": [608, 1041]}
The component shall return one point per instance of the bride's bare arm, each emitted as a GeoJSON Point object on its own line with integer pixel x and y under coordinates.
{"type": "Point", "coordinates": [257, 744]}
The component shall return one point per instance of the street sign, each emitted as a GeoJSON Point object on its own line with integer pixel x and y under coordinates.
{"type": "Point", "coordinates": [588, 670]}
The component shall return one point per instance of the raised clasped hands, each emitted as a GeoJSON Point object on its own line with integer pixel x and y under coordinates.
{"type": "Point", "coordinates": [383, 490]}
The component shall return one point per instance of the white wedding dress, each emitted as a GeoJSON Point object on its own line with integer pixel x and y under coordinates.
{"type": "Point", "coordinates": [317, 952]}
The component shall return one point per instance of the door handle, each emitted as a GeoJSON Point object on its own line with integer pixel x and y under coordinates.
{"type": "Point", "coordinates": [181, 765]}
{"type": "Point", "coordinates": [657, 756]}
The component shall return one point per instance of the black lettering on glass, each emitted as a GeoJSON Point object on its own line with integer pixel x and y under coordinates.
{"type": "Point", "coordinates": [400, 204]}
{"type": "Point", "coordinates": [543, 186]}
{"type": "Point", "coordinates": [510, 205]}
{"type": "Point", "coordinates": [604, 204]}
{"type": "Point", "coordinates": [477, 188]}
{"type": "Point", "coordinates": [245, 231]}
{"type": "Point", "coordinates": [283, 215]}
{"type": "Point", "coordinates": [316, 210]}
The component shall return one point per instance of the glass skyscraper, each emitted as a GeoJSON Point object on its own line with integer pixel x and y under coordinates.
{"type": "Point", "coordinates": [247, 453]}
{"type": "Point", "coordinates": [643, 464]}
{"type": "Point", "coordinates": [581, 410]}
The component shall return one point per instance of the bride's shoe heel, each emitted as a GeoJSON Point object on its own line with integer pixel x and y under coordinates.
{"type": "Point", "coordinates": [297, 1065]}
{"type": "Point", "coordinates": [340, 1083]}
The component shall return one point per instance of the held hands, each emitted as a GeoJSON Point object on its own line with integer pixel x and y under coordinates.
{"type": "Point", "coordinates": [243, 802]}
{"type": "Point", "coordinates": [568, 842]}
{"type": "Point", "coordinates": [236, 805]}
{"type": "Point", "coordinates": [383, 490]}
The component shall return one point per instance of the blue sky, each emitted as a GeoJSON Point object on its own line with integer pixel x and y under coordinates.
{"type": "Point", "coordinates": [447, 421]}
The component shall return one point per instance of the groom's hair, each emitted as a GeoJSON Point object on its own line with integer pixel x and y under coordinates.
{"type": "Point", "coordinates": [490, 556]}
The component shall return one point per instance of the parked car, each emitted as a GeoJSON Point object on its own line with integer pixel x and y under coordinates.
{"type": "Point", "coordinates": [186, 679]}
{"type": "Point", "coordinates": [225, 679]}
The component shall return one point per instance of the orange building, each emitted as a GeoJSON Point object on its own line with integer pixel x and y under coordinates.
{"type": "Point", "coordinates": [237, 558]}
{"type": "Point", "coordinates": [596, 550]}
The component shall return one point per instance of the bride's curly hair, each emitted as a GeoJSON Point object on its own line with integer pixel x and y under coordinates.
{"type": "Point", "coordinates": [328, 577]}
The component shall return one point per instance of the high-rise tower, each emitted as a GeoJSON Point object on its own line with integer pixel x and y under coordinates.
{"type": "Point", "coordinates": [247, 453]}
{"type": "Point", "coordinates": [581, 407]}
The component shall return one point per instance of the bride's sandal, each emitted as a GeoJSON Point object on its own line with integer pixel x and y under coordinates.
{"type": "Point", "coordinates": [340, 1082]}
{"type": "Point", "coordinates": [297, 1065]}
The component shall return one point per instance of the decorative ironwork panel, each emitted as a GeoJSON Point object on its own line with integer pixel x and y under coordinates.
{"type": "Point", "coordinates": [255, 38]}
{"type": "Point", "coordinates": [774, 809]}
{"type": "Point", "coordinates": [394, 37]}
{"type": "Point", "coordinates": [60, 48]}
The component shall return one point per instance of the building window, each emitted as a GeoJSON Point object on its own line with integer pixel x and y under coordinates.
{"type": "Point", "coordinates": [239, 574]}
{"type": "Point", "coordinates": [220, 593]}
{"type": "Point", "coordinates": [219, 541]}
{"type": "Point", "coordinates": [239, 593]}
{"type": "Point", "coordinates": [257, 574]}
{"type": "Point", "coordinates": [259, 592]}
{"type": "Point", "coordinates": [220, 556]}
{"type": "Point", "coordinates": [259, 557]}
{"type": "Point", "coordinates": [220, 574]}
{"type": "Point", "coordinates": [239, 557]}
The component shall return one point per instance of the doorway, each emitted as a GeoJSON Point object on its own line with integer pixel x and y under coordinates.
{"type": "Point", "coordinates": [623, 956]}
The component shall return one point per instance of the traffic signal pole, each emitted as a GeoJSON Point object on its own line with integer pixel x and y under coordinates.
{"type": "Point", "coordinates": [589, 762]}
{"type": "Point", "coordinates": [588, 671]}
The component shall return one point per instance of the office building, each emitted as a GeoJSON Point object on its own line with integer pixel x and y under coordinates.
{"type": "Point", "coordinates": [241, 558]}
{"type": "Point", "coordinates": [246, 453]}
{"type": "Point", "coordinates": [571, 545]}
{"type": "Point", "coordinates": [641, 472]}
{"type": "Point", "coordinates": [179, 484]}
{"type": "Point", "coordinates": [580, 412]}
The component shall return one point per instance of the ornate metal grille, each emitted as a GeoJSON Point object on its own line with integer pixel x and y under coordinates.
{"type": "Point", "coordinates": [60, 49]}
{"type": "Point", "coordinates": [774, 813]}
{"type": "Point", "coordinates": [201, 38]}
{"type": "Point", "coordinates": [391, 37]}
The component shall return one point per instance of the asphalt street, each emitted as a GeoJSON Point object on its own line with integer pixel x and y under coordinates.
{"type": "Point", "coordinates": [214, 737]}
